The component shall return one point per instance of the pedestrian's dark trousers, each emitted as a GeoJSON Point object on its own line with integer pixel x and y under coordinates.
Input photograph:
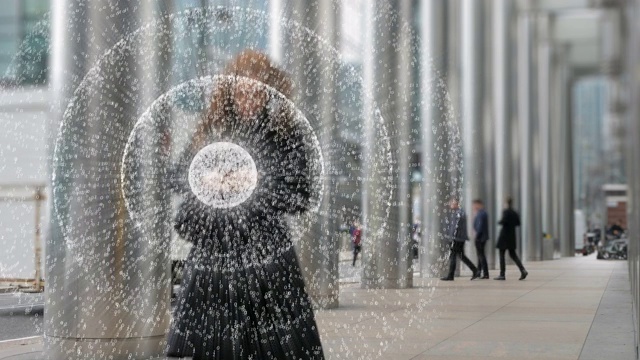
{"type": "Point", "coordinates": [457, 249]}
{"type": "Point", "coordinates": [483, 267]}
{"type": "Point", "coordinates": [514, 257]}
{"type": "Point", "coordinates": [356, 250]}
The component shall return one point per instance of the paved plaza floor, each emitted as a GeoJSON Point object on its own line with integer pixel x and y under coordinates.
{"type": "Point", "coordinates": [573, 308]}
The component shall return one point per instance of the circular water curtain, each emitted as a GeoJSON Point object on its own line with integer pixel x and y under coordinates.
{"type": "Point", "coordinates": [237, 173]}
{"type": "Point", "coordinates": [136, 153]}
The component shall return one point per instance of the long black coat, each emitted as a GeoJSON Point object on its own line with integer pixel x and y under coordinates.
{"type": "Point", "coordinates": [243, 295]}
{"type": "Point", "coordinates": [510, 221]}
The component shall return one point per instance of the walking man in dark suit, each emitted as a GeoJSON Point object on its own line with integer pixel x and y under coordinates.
{"type": "Point", "coordinates": [481, 229]}
{"type": "Point", "coordinates": [507, 240]}
{"type": "Point", "coordinates": [457, 235]}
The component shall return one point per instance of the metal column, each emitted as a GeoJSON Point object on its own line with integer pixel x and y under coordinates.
{"type": "Point", "coordinates": [545, 123]}
{"type": "Point", "coordinates": [632, 11]}
{"type": "Point", "coordinates": [276, 13]}
{"type": "Point", "coordinates": [502, 11]}
{"type": "Point", "coordinates": [531, 232]}
{"type": "Point", "coordinates": [401, 141]}
{"type": "Point", "coordinates": [564, 143]}
{"type": "Point", "coordinates": [452, 56]}
{"type": "Point", "coordinates": [472, 57]}
{"type": "Point", "coordinates": [556, 142]}
{"type": "Point", "coordinates": [314, 75]}
{"type": "Point", "coordinates": [436, 186]}
{"type": "Point", "coordinates": [387, 79]}
{"type": "Point", "coordinates": [108, 287]}
{"type": "Point", "coordinates": [489, 134]}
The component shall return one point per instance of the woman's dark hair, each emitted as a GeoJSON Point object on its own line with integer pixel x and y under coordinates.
{"type": "Point", "coordinates": [257, 66]}
{"type": "Point", "coordinates": [249, 64]}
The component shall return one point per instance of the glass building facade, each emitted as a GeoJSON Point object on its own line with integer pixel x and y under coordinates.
{"type": "Point", "coordinates": [24, 42]}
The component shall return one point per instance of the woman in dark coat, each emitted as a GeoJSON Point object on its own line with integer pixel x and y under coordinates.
{"type": "Point", "coordinates": [243, 295]}
{"type": "Point", "coordinates": [507, 240]}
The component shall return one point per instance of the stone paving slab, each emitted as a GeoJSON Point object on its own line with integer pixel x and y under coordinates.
{"type": "Point", "coordinates": [612, 334]}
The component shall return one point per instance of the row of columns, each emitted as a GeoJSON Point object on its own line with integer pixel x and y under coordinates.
{"type": "Point", "coordinates": [542, 181]}
{"type": "Point", "coordinates": [489, 160]}
{"type": "Point", "coordinates": [388, 75]}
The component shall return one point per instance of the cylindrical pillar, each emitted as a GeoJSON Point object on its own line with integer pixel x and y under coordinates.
{"type": "Point", "coordinates": [502, 11]}
{"type": "Point", "coordinates": [556, 142]}
{"type": "Point", "coordinates": [436, 187]}
{"type": "Point", "coordinates": [108, 283]}
{"type": "Point", "coordinates": [564, 143]}
{"type": "Point", "coordinates": [489, 133]}
{"type": "Point", "coordinates": [472, 58]}
{"type": "Point", "coordinates": [314, 75]}
{"type": "Point", "coordinates": [515, 188]}
{"type": "Point", "coordinates": [387, 82]}
{"type": "Point", "coordinates": [453, 58]}
{"type": "Point", "coordinates": [632, 155]}
{"type": "Point", "coordinates": [569, 194]}
{"type": "Point", "coordinates": [531, 232]}
{"type": "Point", "coordinates": [545, 123]}
{"type": "Point", "coordinates": [401, 141]}
{"type": "Point", "coordinates": [276, 13]}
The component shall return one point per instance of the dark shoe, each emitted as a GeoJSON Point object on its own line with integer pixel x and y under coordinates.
{"type": "Point", "coordinates": [485, 277]}
{"type": "Point", "coordinates": [475, 275]}
{"type": "Point", "coordinates": [500, 278]}
{"type": "Point", "coordinates": [524, 275]}
{"type": "Point", "coordinates": [446, 279]}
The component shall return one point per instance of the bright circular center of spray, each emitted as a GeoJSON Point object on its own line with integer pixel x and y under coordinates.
{"type": "Point", "coordinates": [223, 175]}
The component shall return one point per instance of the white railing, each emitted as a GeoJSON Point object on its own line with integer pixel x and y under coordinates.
{"type": "Point", "coordinates": [18, 193]}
